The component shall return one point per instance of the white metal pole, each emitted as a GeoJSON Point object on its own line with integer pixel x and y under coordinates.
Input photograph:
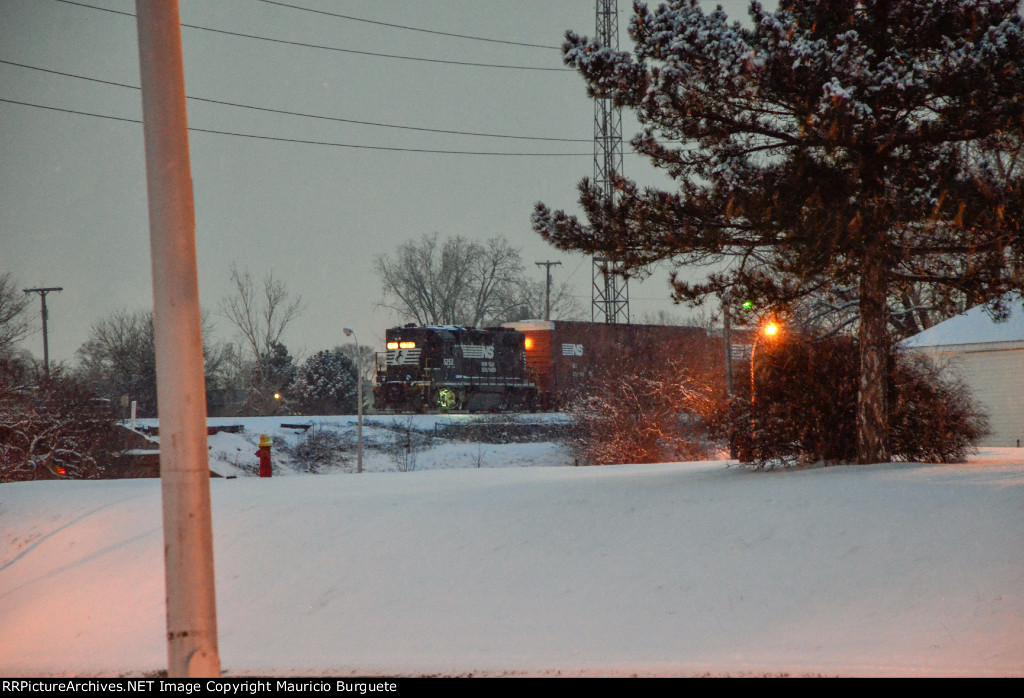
{"type": "Point", "coordinates": [181, 395]}
{"type": "Point", "coordinates": [359, 399]}
{"type": "Point", "coordinates": [359, 396]}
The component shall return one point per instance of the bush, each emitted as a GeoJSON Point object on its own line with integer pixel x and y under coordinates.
{"type": "Point", "coordinates": [405, 445]}
{"type": "Point", "coordinates": [933, 418]}
{"type": "Point", "coordinates": [639, 410]}
{"type": "Point", "coordinates": [321, 449]}
{"type": "Point", "coordinates": [803, 407]}
{"type": "Point", "coordinates": [57, 430]}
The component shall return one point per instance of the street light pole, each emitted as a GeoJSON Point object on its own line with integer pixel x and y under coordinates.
{"type": "Point", "coordinates": [349, 332]}
{"type": "Point", "coordinates": [769, 330]}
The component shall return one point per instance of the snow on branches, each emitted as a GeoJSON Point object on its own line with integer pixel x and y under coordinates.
{"type": "Point", "coordinates": [634, 410]}
{"type": "Point", "coordinates": [55, 431]}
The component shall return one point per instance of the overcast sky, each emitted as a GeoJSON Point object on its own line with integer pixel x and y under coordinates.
{"type": "Point", "coordinates": [72, 186]}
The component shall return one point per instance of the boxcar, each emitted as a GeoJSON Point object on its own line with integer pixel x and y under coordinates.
{"type": "Point", "coordinates": [561, 355]}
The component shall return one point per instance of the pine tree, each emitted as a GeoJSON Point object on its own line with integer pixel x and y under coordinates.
{"type": "Point", "coordinates": [837, 143]}
{"type": "Point", "coordinates": [326, 383]}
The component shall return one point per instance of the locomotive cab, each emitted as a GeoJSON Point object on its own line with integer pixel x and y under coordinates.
{"type": "Point", "coordinates": [452, 368]}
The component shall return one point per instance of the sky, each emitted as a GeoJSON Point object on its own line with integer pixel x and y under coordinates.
{"type": "Point", "coordinates": [73, 211]}
{"type": "Point", "coordinates": [675, 569]}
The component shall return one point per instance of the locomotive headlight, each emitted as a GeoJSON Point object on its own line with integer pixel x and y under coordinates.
{"type": "Point", "coordinates": [392, 345]}
{"type": "Point", "coordinates": [407, 345]}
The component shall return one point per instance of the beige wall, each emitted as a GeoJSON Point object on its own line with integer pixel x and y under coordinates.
{"type": "Point", "coordinates": [995, 374]}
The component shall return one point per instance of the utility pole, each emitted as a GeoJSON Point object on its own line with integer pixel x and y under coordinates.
{"type": "Point", "coordinates": [181, 393]}
{"type": "Point", "coordinates": [46, 342]}
{"type": "Point", "coordinates": [547, 286]}
{"type": "Point", "coordinates": [609, 291]}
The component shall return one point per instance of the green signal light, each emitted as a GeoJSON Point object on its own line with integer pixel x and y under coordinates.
{"type": "Point", "coordinates": [748, 305]}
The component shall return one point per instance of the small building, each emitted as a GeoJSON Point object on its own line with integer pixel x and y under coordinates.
{"type": "Point", "coordinates": [989, 356]}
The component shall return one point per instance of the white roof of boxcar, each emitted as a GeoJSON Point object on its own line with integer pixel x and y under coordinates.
{"type": "Point", "coordinates": [535, 325]}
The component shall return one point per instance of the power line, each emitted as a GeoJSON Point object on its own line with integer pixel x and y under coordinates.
{"type": "Point", "coordinates": [415, 29]}
{"type": "Point", "coordinates": [304, 115]}
{"type": "Point", "coordinates": [300, 140]}
{"type": "Point", "coordinates": [334, 48]}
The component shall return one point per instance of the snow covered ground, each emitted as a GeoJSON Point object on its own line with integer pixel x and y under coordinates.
{"type": "Point", "coordinates": [676, 569]}
{"type": "Point", "coordinates": [388, 446]}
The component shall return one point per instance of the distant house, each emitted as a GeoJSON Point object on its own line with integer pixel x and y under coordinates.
{"type": "Point", "coordinates": [990, 358]}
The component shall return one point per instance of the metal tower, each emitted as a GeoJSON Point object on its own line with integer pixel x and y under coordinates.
{"type": "Point", "coordinates": [610, 291]}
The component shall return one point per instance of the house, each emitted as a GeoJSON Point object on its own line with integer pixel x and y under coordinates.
{"type": "Point", "coordinates": [989, 356]}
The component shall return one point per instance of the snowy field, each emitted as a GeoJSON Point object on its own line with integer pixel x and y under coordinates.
{"type": "Point", "coordinates": [388, 444]}
{"type": "Point", "coordinates": [465, 565]}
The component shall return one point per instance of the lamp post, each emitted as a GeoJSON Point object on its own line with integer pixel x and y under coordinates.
{"type": "Point", "coordinates": [349, 332]}
{"type": "Point", "coordinates": [769, 330]}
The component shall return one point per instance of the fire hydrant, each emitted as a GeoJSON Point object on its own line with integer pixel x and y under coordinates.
{"type": "Point", "coordinates": [264, 454]}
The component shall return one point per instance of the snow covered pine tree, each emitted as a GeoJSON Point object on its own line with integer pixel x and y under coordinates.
{"type": "Point", "coordinates": [836, 141]}
{"type": "Point", "coordinates": [326, 384]}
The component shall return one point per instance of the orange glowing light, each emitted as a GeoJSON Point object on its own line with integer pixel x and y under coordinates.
{"type": "Point", "coordinates": [771, 329]}
{"type": "Point", "coordinates": [529, 343]}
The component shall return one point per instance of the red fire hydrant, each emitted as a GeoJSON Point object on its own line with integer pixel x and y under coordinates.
{"type": "Point", "coordinates": [264, 454]}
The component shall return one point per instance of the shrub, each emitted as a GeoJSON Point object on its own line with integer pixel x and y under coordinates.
{"type": "Point", "coordinates": [405, 445]}
{"type": "Point", "coordinates": [803, 407]}
{"type": "Point", "coordinates": [639, 410]}
{"type": "Point", "coordinates": [57, 430]}
{"type": "Point", "coordinates": [321, 449]}
{"type": "Point", "coordinates": [933, 418]}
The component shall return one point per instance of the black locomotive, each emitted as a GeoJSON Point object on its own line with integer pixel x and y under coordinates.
{"type": "Point", "coordinates": [453, 368]}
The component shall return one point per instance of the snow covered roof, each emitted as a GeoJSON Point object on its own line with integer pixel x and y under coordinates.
{"type": "Point", "coordinates": [975, 326]}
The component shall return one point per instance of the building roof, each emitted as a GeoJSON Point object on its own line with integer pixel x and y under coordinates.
{"type": "Point", "coordinates": [976, 326]}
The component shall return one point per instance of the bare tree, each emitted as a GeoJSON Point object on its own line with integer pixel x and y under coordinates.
{"type": "Point", "coordinates": [14, 318]}
{"type": "Point", "coordinates": [364, 358]}
{"type": "Point", "coordinates": [119, 358]}
{"type": "Point", "coordinates": [528, 302]}
{"type": "Point", "coordinates": [495, 274]}
{"type": "Point", "coordinates": [261, 312]}
{"type": "Point", "coordinates": [459, 282]}
{"type": "Point", "coordinates": [426, 280]}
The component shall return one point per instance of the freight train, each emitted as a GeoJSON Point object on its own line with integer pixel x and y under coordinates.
{"type": "Point", "coordinates": [529, 365]}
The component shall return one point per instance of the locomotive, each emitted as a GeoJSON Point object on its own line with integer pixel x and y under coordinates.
{"type": "Point", "coordinates": [453, 368]}
{"type": "Point", "coordinates": [533, 364]}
